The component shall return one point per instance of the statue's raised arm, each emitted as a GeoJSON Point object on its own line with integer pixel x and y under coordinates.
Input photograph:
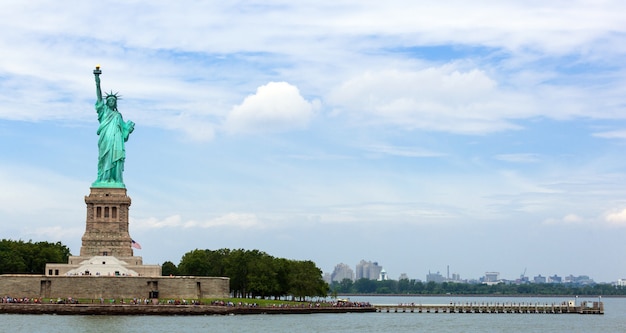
{"type": "Point", "coordinates": [113, 132]}
{"type": "Point", "coordinates": [96, 73]}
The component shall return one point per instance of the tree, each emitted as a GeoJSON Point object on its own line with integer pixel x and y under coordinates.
{"type": "Point", "coordinates": [19, 257]}
{"type": "Point", "coordinates": [168, 268]}
{"type": "Point", "coordinates": [430, 287]}
{"type": "Point", "coordinates": [404, 286]}
{"type": "Point", "coordinates": [305, 279]}
{"type": "Point", "coordinates": [237, 271]}
{"type": "Point", "coordinates": [387, 287]}
{"type": "Point", "coordinates": [262, 274]}
{"type": "Point", "coordinates": [195, 263]}
{"type": "Point", "coordinates": [365, 286]}
{"type": "Point", "coordinates": [255, 273]}
{"type": "Point", "coordinates": [282, 267]}
{"type": "Point", "coordinates": [418, 287]}
{"type": "Point", "coordinates": [217, 261]}
{"type": "Point", "coordinates": [11, 262]}
{"type": "Point", "coordinates": [344, 286]}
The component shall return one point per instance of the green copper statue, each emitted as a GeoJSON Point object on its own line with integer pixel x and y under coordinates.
{"type": "Point", "coordinates": [113, 132]}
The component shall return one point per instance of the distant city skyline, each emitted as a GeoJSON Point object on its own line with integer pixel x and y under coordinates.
{"type": "Point", "coordinates": [368, 270]}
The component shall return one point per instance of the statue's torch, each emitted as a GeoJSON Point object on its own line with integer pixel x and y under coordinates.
{"type": "Point", "coordinates": [97, 71]}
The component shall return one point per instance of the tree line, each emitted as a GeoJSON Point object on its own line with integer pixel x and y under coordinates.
{"type": "Point", "coordinates": [19, 257]}
{"type": "Point", "coordinates": [253, 273]}
{"type": "Point", "coordinates": [405, 286]}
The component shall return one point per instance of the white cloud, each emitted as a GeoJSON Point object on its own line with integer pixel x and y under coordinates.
{"type": "Point", "coordinates": [402, 151]}
{"type": "Point", "coordinates": [275, 107]}
{"type": "Point", "coordinates": [24, 185]}
{"type": "Point", "coordinates": [236, 220]}
{"type": "Point", "coordinates": [153, 222]}
{"type": "Point", "coordinates": [568, 219]}
{"type": "Point", "coordinates": [519, 158]}
{"type": "Point", "coordinates": [551, 26]}
{"type": "Point", "coordinates": [56, 232]}
{"type": "Point", "coordinates": [572, 218]}
{"type": "Point", "coordinates": [611, 134]}
{"type": "Point", "coordinates": [616, 218]}
{"type": "Point", "coordinates": [194, 128]}
{"type": "Point", "coordinates": [164, 61]}
{"type": "Point", "coordinates": [437, 98]}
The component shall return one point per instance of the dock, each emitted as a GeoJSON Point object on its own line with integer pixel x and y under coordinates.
{"type": "Point", "coordinates": [554, 308]}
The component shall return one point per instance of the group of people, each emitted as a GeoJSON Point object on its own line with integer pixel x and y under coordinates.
{"type": "Point", "coordinates": [9, 299]}
{"type": "Point", "coordinates": [347, 303]}
{"type": "Point", "coordinates": [229, 303]}
{"type": "Point", "coordinates": [181, 302]}
{"type": "Point", "coordinates": [338, 303]}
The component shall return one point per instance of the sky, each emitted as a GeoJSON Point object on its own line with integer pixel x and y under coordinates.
{"type": "Point", "coordinates": [483, 136]}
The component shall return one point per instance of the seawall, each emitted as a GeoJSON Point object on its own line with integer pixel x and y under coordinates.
{"type": "Point", "coordinates": [162, 309]}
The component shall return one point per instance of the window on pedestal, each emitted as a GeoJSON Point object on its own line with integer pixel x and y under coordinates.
{"type": "Point", "coordinates": [106, 211]}
{"type": "Point", "coordinates": [98, 211]}
{"type": "Point", "coordinates": [114, 212]}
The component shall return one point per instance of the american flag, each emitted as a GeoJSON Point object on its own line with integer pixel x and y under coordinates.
{"type": "Point", "coordinates": [136, 245]}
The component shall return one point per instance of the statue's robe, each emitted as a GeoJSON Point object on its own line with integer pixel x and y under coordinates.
{"type": "Point", "coordinates": [113, 132]}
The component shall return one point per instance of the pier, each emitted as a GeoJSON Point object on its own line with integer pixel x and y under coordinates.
{"type": "Point", "coordinates": [554, 308]}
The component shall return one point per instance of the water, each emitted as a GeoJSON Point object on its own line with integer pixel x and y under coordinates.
{"type": "Point", "coordinates": [614, 320]}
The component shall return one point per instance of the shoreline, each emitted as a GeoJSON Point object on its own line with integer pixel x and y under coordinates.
{"type": "Point", "coordinates": [481, 295]}
{"type": "Point", "coordinates": [165, 309]}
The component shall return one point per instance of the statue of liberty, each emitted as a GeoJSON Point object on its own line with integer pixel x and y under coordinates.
{"type": "Point", "coordinates": [113, 132]}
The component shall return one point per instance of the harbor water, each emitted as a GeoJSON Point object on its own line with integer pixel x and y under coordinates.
{"type": "Point", "coordinates": [614, 320]}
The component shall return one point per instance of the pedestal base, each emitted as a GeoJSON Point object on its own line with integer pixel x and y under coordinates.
{"type": "Point", "coordinates": [106, 232]}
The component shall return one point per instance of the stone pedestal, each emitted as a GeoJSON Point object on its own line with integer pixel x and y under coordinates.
{"type": "Point", "coordinates": [107, 224]}
{"type": "Point", "coordinates": [107, 247]}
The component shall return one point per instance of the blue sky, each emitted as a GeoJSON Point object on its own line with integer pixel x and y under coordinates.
{"type": "Point", "coordinates": [485, 135]}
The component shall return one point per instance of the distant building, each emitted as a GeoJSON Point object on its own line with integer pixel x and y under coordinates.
{"type": "Point", "coordinates": [435, 277]}
{"type": "Point", "coordinates": [341, 272]}
{"type": "Point", "coordinates": [539, 279]}
{"type": "Point", "coordinates": [621, 283]}
{"type": "Point", "coordinates": [368, 270]}
{"type": "Point", "coordinates": [383, 275]}
{"type": "Point", "coordinates": [579, 280]}
{"type": "Point", "coordinates": [491, 277]}
{"type": "Point", "coordinates": [456, 277]}
{"type": "Point", "coordinates": [403, 276]}
{"type": "Point", "coordinates": [554, 279]}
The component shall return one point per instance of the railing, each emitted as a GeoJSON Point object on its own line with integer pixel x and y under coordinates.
{"type": "Point", "coordinates": [566, 307]}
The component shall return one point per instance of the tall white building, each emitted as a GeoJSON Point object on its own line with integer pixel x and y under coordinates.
{"type": "Point", "coordinates": [368, 270]}
{"type": "Point", "coordinates": [341, 272]}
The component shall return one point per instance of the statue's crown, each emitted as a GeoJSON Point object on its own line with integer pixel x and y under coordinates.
{"type": "Point", "coordinates": [115, 95]}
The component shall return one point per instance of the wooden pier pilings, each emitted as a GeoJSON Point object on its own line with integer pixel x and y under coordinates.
{"type": "Point", "coordinates": [565, 307]}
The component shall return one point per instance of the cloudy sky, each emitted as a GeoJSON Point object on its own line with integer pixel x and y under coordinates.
{"type": "Point", "coordinates": [483, 135]}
